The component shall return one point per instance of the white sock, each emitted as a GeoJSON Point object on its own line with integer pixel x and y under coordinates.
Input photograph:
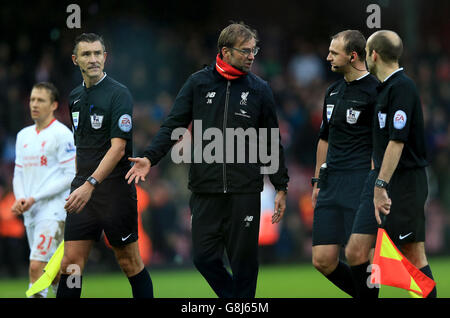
{"type": "Point", "coordinates": [55, 288]}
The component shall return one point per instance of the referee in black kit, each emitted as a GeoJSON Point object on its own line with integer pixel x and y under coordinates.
{"type": "Point", "coordinates": [345, 147]}
{"type": "Point", "coordinates": [225, 201]}
{"type": "Point", "coordinates": [100, 199]}
{"type": "Point", "coordinates": [398, 186]}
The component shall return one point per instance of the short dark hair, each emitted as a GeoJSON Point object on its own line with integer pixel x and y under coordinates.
{"type": "Point", "coordinates": [354, 41]}
{"type": "Point", "coordinates": [54, 93]}
{"type": "Point", "coordinates": [389, 49]}
{"type": "Point", "coordinates": [234, 32]}
{"type": "Point", "coordinates": [90, 38]}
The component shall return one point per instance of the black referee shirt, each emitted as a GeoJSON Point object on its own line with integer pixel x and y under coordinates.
{"type": "Point", "coordinates": [100, 113]}
{"type": "Point", "coordinates": [347, 123]}
{"type": "Point", "coordinates": [399, 117]}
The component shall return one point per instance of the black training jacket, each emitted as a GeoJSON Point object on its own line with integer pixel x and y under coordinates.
{"type": "Point", "coordinates": [215, 104]}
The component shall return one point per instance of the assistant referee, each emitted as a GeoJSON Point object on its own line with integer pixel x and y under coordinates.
{"type": "Point", "coordinates": [398, 186]}
{"type": "Point", "coordinates": [345, 144]}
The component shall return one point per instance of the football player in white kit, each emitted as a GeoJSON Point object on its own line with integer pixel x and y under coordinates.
{"type": "Point", "coordinates": [44, 170]}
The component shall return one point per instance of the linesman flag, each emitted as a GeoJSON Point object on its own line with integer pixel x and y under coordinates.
{"type": "Point", "coordinates": [393, 269]}
{"type": "Point", "coordinates": [50, 272]}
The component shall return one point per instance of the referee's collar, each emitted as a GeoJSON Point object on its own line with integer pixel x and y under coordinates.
{"type": "Point", "coordinates": [361, 77]}
{"type": "Point", "coordinates": [104, 75]}
{"type": "Point", "coordinates": [390, 76]}
{"type": "Point", "coordinates": [355, 81]}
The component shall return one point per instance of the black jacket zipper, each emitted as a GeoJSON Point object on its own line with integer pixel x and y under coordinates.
{"type": "Point", "coordinates": [224, 169]}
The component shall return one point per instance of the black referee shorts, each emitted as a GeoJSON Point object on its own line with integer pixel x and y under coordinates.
{"type": "Point", "coordinates": [112, 209]}
{"type": "Point", "coordinates": [408, 190]}
{"type": "Point", "coordinates": [336, 206]}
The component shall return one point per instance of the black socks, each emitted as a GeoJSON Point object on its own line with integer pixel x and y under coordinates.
{"type": "Point", "coordinates": [361, 276]}
{"type": "Point", "coordinates": [141, 285]}
{"type": "Point", "coordinates": [427, 271]}
{"type": "Point", "coordinates": [342, 278]}
{"type": "Point", "coordinates": [69, 286]}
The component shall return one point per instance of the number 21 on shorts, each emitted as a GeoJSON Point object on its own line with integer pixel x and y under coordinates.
{"type": "Point", "coordinates": [44, 250]}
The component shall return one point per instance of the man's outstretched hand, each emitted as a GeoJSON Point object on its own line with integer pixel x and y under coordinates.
{"type": "Point", "coordinates": [139, 170]}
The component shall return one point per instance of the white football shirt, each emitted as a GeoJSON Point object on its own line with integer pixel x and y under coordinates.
{"type": "Point", "coordinates": [44, 170]}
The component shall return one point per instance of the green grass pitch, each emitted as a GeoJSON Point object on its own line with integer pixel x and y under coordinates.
{"type": "Point", "coordinates": [287, 281]}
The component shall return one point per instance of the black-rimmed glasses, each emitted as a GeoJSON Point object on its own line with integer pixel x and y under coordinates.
{"type": "Point", "coordinates": [247, 52]}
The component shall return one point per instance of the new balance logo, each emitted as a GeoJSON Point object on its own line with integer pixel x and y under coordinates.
{"type": "Point", "coordinates": [247, 220]}
{"type": "Point", "coordinates": [209, 97]}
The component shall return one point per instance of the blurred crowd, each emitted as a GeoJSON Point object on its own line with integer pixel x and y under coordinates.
{"type": "Point", "coordinates": [153, 61]}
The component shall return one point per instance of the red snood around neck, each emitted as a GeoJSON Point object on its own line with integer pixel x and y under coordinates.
{"type": "Point", "coordinates": [226, 70]}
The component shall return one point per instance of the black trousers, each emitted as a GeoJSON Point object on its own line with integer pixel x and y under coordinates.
{"type": "Point", "coordinates": [227, 222]}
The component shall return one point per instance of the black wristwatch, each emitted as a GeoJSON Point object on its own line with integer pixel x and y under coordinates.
{"type": "Point", "coordinates": [92, 181]}
{"type": "Point", "coordinates": [381, 184]}
{"type": "Point", "coordinates": [314, 181]}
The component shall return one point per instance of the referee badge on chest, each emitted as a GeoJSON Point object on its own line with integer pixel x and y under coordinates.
{"type": "Point", "coordinates": [352, 116]}
{"type": "Point", "coordinates": [96, 121]}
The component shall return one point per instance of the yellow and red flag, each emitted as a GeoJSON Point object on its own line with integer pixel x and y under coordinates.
{"type": "Point", "coordinates": [391, 268]}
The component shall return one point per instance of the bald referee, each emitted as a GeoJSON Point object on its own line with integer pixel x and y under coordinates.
{"type": "Point", "coordinates": [397, 187]}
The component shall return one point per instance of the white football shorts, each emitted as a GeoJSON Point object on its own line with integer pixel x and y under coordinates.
{"type": "Point", "coordinates": [44, 238]}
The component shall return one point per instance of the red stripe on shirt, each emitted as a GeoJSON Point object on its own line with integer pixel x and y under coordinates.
{"type": "Point", "coordinates": [68, 160]}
